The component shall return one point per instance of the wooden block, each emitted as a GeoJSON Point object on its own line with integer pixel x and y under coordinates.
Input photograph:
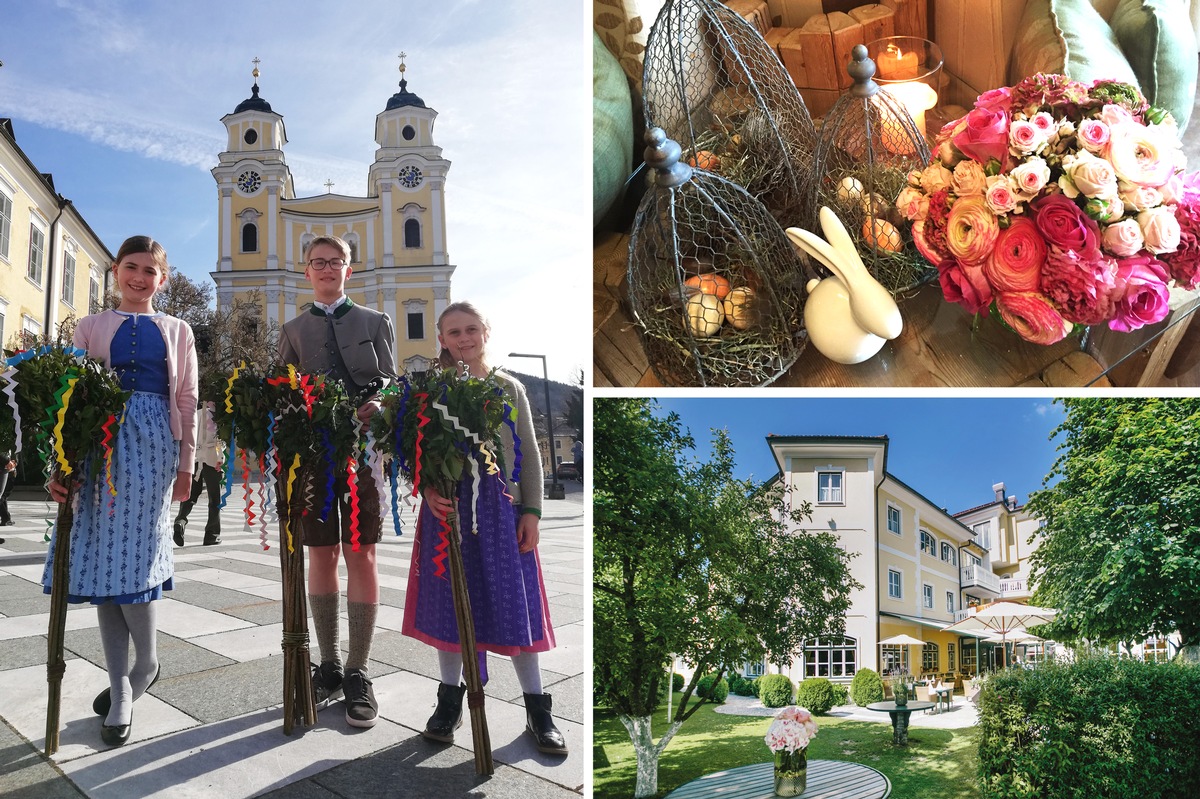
{"type": "Point", "coordinates": [792, 13]}
{"type": "Point", "coordinates": [975, 37]}
{"type": "Point", "coordinates": [816, 43]}
{"type": "Point", "coordinates": [753, 11]}
{"type": "Point", "coordinates": [792, 55]}
{"type": "Point", "coordinates": [819, 101]}
{"type": "Point", "coordinates": [912, 16]}
{"type": "Point", "coordinates": [775, 36]}
{"type": "Point", "coordinates": [845, 33]}
{"type": "Point", "coordinates": [877, 21]}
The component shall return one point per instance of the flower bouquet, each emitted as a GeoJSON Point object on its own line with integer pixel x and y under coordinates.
{"type": "Point", "coordinates": [788, 737]}
{"type": "Point", "coordinates": [1059, 204]}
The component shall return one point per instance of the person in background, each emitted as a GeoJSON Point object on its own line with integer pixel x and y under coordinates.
{"type": "Point", "coordinates": [8, 468]}
{"type": "Point", "coordinates": [347, 342]}
{"type": "Point", "coordinates": [210, 454]}
{"type": "Point", "coordinates": [577, 452]}
{"type": "Point", "coordinates": [121, 556]}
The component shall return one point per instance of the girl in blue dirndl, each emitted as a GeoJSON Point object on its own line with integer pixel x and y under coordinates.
{"type": "Point", "coordinates": [121, 559]}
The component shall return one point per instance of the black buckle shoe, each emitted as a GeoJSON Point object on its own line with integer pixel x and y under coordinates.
{"type": "Point", "coordinates": [326, 684]}
{"type": "Point", "coordinates": [361, 708]}
{"type": "Point", "coordinates": [448, 715]}
{"type": "Point", "coordinates": [117, 735]}
{"type": "Point", "coordinates": [178, 537]}
{"type": "Point", "coordinates": [540, 724]}
{"type": "Point", "coordinates": [103, 701]}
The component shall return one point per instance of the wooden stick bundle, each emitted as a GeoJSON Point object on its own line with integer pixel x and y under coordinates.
{"type": "Point", "coordinates": [298, 702]}
{"type": "Point", "coordinates": [56, 665]}
{"type": "Point", "coordinates": [482, 741]}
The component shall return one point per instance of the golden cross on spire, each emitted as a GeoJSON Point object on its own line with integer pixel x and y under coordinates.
{"type": "Point", "coordinates": [255, 73]}
{"type": "Point", "coordinates": [328, 186]}
{"type": "Point", "coordinates": [403, 55]}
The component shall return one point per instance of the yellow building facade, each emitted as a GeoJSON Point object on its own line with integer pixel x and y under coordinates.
{"type": "Point", "coordinates": [52, 264]}
{"type": "Point", "coordinates": [397, 232]}
{"type": "Point", "coordinates": [920, 566]}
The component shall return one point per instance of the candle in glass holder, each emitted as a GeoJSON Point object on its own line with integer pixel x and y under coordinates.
{"type": "Point", "coordinates": [895, 64]}
{"type": "Point", "coordinates": [916, 98]}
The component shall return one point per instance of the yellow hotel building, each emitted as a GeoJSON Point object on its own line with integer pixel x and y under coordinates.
{"type": "Point", "coordinates": [920, 565]}
{"type": "Point", "coordinates": [397, 232]}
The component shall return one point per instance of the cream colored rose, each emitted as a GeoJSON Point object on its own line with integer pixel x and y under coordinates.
{"type": "Point", "coordinates": [935, 177]}
{"type": "Point", "coordinates": [1160, 229]}
{"type": "Point", "coordinates": [1086, 174]}
{"type": "Point", "coordinates": [913, 204]}
{"type": "Point", "coordinates": [1123, 238]}
{"type": "Point", "coordinates": [1141, 155]}
{"type": "Point", "coordinates": [1138, 198]}
{"type": "Point", "coordinates": [1000, 196]}
{"type": "Point", "coordinates": [1030, 177]}
{"type": "Point", "coordinates": [969, 179]}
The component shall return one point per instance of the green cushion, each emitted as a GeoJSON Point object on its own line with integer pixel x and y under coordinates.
{"type": "Point", "coordinates": [612, 130]}
{"type": "Point", "coordinates": [1068, 37]}
{"type": "Point", "coordinates": [1158, 40]}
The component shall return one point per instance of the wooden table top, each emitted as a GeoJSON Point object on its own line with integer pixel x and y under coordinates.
{"type": "Point", "coordinates": [827, 779]}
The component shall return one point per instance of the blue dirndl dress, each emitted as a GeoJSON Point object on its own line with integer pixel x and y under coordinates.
{"type": "Point", "coordinates": [121, 546]}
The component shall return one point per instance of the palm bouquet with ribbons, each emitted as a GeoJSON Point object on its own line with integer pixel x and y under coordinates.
{"type": "Point", "coordinates": [443, 429]}
{"type": "Point", "coordinates": [69, 407]}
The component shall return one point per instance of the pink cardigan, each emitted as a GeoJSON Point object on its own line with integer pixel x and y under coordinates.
{"type": "Point", "coordinates": [94, 334]}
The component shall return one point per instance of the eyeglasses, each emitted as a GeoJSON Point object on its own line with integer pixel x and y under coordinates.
{"type": "Point", "coordinates": [320, 263]}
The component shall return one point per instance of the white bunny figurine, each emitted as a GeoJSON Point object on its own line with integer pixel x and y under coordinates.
{"type": "Point", "coordinates": [849, 315]}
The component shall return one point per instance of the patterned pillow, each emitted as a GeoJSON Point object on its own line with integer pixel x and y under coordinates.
{"type": "Point", "coordinates": [1158, 39]}
{"type": "Point", "coordinates": [1068, 37]}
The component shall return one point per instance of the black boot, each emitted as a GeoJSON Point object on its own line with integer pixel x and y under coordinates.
{"type": "Point", "coordinates": [179, 526]}
{"type": "Point", "coordinates": [540, 724]}
{"type": "Point", "coordinates": [447, 716]}
{"type": "Point", "coordinates": [212, 534]}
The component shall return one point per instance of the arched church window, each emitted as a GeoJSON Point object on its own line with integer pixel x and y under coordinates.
{"type": "Point", "coordinates": [412, 233]}
{"type": "Point", "coordinates": [249, 237]}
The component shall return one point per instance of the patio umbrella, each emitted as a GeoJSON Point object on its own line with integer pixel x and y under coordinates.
{"type": "Point", "coordinates": [902, 640]}
{"type": "Point", "coordinates": [1003, 618]}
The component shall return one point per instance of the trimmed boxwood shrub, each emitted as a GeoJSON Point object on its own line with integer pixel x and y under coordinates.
{"type": "Point", "coordinates": [677, 682]}
{"type": "Point", "coordinates": [1116, 728]}
{"type": "Point", "coordinates": [817, 694]}
{"type": "Point", "coordinates": [755, 684]}
{"type": "Point", "coordinates": [717, 691]}
{"type": "Point", "coordinates": [841, 694]}
{"type": "Point", "coordinates": [740, 685]}
{"type": "Point", "coordinates": [866, 687]}
{"type": "Point", "coordinates": [775, 690]}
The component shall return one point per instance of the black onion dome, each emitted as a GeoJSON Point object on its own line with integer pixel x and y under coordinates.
{"type": "Point", "coordinates": [253, 103]}
{"type": "Point", "coordinates": [403, 98]}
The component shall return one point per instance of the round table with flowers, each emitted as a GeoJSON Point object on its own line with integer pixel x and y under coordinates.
{"type": "Point", "coordinates": [826, 779]}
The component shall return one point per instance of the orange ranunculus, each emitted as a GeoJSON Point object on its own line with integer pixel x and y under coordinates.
{"type": "Point", "coordinates": [1033, 317]}
{"type": "Point", "coordinates": [971, 230]}
{"type": "Point", "coordinates": [1016, 262]}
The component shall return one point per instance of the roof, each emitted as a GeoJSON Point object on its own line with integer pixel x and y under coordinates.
{"type": "Point", "coordinates": [253, 102]}
{"type": "Point", "coordinates": [404, 98]}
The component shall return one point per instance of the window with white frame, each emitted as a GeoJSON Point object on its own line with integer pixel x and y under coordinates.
{"type": "Point", "coordinates": [30, 330]}
{"type": "Point", "coordinates": [927, 595]}
{"type": "Point", "coordinates": [949, 554]}
{"type": "Point", "coordinates": [893, 659]}
{"type": "Point", "coordinates": [68, 287]}
{"type": "Point", "coordinates": [949, 601]}
{"type": "Point", "coordinates": [94, 291]}
{"type": "Point", "coordinates": [950, 657]}
{"type": "Point", "coordinates": [829, 488]}
{"type": "Point", "coordinates": [6, 215]}
{"type": "Point", "coordinates": [37, 253]}
{"type": "Point", "coordinates": [983, 534]}
{"type": "Point", "coordinates": [414, 311]}
{"type": "Point", "coordinates": [928, 543]}
{"type": "Point", "coordinates": [1154, 650]}
{"type": "Point", "coordinates": [893, 519]}
{"type": "Point", "coordinates": [756, 669]}
{"type": "Point", "coordinates": [894, 585]}
{"type": "Point", "coordinates": [929, 657]}
{"type": "Point", "coordinates": [968, 658]}
{"type": "Point", "coordinates": [830, 657]}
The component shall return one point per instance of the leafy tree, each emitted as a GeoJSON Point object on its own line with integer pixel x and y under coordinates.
{"type": "Point", "coordinates": [693, 562]}
{"type": "Point", "coordinates": [574, 411]}
{"type": "Point", "coordinates": [1120, 555]}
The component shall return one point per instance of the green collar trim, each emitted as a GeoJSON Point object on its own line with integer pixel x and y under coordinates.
{"type": "Point", "coordinates": [338, 313]}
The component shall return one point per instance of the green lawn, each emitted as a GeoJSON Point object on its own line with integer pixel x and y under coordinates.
{"type": "Point", "coordinates": [938, 764]}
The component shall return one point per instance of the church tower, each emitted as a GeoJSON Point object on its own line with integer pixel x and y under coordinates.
{"type": "Point", "coordinates": [397, 233]}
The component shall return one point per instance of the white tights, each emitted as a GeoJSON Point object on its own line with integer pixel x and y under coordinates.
{"type": "Point", "coordinates": [529, 674]}
{"type": "Point", "coordinates": [119, 624]}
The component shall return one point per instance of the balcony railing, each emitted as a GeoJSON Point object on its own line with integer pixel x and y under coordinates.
{"type": "Point", "coordinates": [1014, 587]}
{"type": "Point", "coordinates": [978, 577]}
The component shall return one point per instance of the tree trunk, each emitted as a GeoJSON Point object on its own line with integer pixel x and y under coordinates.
{"type": "Point", "coordinates": [647, 751]}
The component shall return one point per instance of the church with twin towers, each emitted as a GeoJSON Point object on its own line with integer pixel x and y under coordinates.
{"type": "Point", "coordinates": [397, 232]}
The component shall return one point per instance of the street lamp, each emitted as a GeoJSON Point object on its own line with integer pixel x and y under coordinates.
{"type": "Point", "coordinates": [556, 490]}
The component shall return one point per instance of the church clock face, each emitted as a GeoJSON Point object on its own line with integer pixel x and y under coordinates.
{"type": "Point", "coordinates": [410, 177]}
{"type": "Point", "coordinates": [249, 182]}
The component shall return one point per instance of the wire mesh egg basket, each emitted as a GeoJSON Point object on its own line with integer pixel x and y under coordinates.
{"type": "Point", "coordinates": [867, 146]}
{"type": "Point", "coordinates": [716, 87]}
{"type": "Point", "coordinates": [715, 287]}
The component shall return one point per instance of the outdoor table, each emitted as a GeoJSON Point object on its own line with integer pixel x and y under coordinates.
{"type": "Point", "coordinates": [827, 779]}
{"type": "Point", "coordinates": [943, 695]}
{"type": "Point", "coordinates": [899, 716]}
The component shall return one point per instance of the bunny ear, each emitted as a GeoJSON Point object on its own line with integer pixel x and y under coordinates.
{"type": "Point", "coordinates": [840, 239]}
{"type": "Point", "coordinates": [818, 248]}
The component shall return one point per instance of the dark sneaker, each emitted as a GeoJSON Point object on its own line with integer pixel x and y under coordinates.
{"type": "Point", "coordinates": [361, 708]}
{"type": "Point", "coordinates": [326, 684]}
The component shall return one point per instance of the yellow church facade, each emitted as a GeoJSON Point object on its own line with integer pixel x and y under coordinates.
{"type": "Point", "coordinates": [397, 232]}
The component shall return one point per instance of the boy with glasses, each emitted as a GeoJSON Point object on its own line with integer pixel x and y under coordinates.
{"type": "Point", "coordinates": [342, 340]}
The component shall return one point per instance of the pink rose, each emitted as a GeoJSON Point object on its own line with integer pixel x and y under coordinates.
{"type": "Point", "coordinates": [1160, 229]}
{"type": "Point", "coordinates": [1093, 135]}
{"type": "Point", "coordinates": [1025, 138]}
{"type": "Point", "coordinates": [971, 230]}
{"type": "Point", "coordinates": [985, 137]}
{"type": "Point", "coordinates": [1080, 286]}
{"type": "Point", "coordinates": [1033, 317]}
{"type": "Point", "coordinates": [1143, 293]}
{"type": "Point", "coordinates": [1045, 123]}
{"type": "Point", "coordinates": [995, 100]}
{"type": "Point", "coordinates": [1016, 262]}
{"type": "Point", "coordinates": [1062, 224]}
{"type": "Point", "coordinates": [1138, 198]}
{"type": "Point", "coordinates": [1123, 238]}
{"type": "Point", "coordinates": [965, 285]}
{"type": "Point", "coordinates": [999, 195]}
{"type": "Point", "coordinates": [968, 179]}
{"type": "Point", "coordinates": [1031, 176]}
{"type": "Point", "coordinates": [912, 204]}
{"type": "Point", "coordinates": [1112, 114]}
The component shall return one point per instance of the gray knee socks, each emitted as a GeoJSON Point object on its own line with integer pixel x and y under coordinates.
{"type": "Point", "coordinates": [529, 673]}
{"type": "Point", "coordinates": [324, 609]}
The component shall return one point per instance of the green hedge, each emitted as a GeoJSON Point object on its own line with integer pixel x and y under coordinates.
{"type": "Point", "coordinates": [818, 694]}
{"type": "Point", "coordinates": [866, 687]}
{"type": "Point", "coordinates": [1120, 729]}
{"type": "Point", "coordinates": [775, 690]}
{"type": "Point", "coordinates": [717, 691]}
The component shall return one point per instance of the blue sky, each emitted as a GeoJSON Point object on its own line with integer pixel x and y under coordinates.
{"type": "Point", "coordinates": [122, 102]}
{"type": "Point", "coordinates": [951, 450]}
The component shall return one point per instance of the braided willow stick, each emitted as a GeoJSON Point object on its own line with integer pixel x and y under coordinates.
{"type": "Point", "coordinates": [466, 641]}
{"type": "Point", "coordinates": [298, 702]}
{"type": "Point", "coordinates": [56, 666]}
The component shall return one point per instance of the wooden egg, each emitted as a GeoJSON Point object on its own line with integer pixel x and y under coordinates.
{"type": "Point", "coordinates": [882, 235]}
{"type": "Point", "coordinates": [739, 308]}
{"type": "Point", "coordinates": [704, 315]}
{"type": "Point", "coordinates": [850, 190]}
{"type": "Point", "coordinates": [709, 283]}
